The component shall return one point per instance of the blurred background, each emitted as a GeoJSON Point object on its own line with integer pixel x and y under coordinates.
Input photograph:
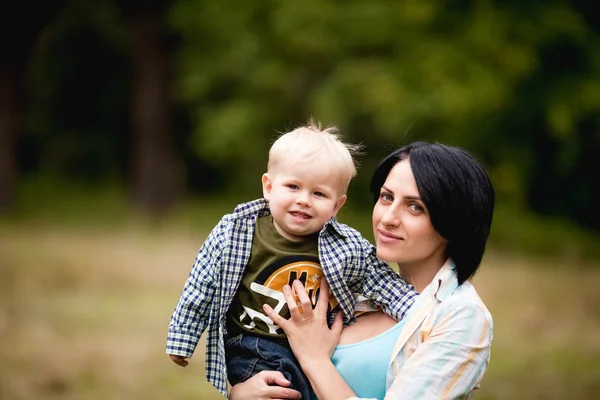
{"type": "Point", "coordinates": [127, 128]}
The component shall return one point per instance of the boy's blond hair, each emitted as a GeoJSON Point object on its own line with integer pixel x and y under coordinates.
{"type": "Point", "coordinates": [310, 143]}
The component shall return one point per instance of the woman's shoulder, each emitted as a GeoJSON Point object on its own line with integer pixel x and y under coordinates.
{"type": "Point", "coordinates": [465, 300]}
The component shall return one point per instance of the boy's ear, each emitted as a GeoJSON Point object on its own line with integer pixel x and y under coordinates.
{"type": "Point", "coordinates": [339, 204]}
{"type": "Point", "coordinates": [267, 186]}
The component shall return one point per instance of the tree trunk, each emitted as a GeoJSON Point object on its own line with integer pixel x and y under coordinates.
{"type": "Point", "coordinates": [155, 170]}
{"type": "Point", "coordinates": [19, 28]}
{"type": "Point", "coordinates": [10, 78]}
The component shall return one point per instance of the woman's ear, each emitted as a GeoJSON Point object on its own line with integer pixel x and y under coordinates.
{"type": "Point", "coordinates": [267, 186]}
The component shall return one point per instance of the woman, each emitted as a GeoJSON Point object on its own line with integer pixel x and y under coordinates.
{"type": "Point", "coordinates": [432, 215]}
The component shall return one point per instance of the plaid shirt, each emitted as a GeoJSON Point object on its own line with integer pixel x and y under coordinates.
{"type": "Point", "coordinates": [348, 261]}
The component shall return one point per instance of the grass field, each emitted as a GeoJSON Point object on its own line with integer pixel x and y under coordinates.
{"type": "Point", "coordinates": [84, 313]}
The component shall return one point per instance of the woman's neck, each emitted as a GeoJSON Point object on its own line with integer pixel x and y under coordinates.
{"type": "Point", "coordinates": [421, 273]}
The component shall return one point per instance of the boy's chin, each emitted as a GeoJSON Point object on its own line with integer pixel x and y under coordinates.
{"type": "Point", "coordinates": [301, 234]}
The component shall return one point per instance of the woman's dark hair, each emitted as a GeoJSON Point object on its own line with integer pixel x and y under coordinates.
{"type": "Point", "coordinates": [458, 194]}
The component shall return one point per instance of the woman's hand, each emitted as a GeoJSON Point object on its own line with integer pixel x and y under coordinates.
{"type": "Point", "coordinates": [309, 336]}
{"type": "Point", "coordinates": [259, 387]}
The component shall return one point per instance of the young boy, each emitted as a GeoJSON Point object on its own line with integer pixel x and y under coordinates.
{"type": "Point", "coordinates": [266, 244]}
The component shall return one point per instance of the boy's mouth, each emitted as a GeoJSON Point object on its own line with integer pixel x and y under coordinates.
{"type": "Point", "coordinates": [300, 215]}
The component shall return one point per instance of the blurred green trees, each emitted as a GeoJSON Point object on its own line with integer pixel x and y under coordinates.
{"type": "Point", "coordinates": [516, 83]}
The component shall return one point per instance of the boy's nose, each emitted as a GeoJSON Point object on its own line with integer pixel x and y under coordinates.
{"type": "Point", "coordinates": [303, 199]}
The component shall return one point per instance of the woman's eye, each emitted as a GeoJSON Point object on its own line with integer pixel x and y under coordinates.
{"type": "Point", "coordinates": [416, 208]}
{"type": "Point", "coordinates": [386, 197]}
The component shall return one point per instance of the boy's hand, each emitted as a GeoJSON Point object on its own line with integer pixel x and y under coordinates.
{"type": "Point", "coordinates": [179, 360]}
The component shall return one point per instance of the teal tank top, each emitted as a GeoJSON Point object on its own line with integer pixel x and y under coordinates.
{"type": "Point", "coordinates": [364, 365]}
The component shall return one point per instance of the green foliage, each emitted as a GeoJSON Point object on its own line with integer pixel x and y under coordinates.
{"type": "Point", "coordinates": [512, 82]}
{"type": "Point", "coordinates": [62, 203]}
{"type": "Point", "coordinates": [516, 83]}
{"type": "Point", "coordinates": [75, 121]}
{"type": "Point", "coordinates": [562, 241]}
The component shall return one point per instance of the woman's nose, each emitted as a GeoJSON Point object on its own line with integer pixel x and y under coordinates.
{"type": "Point", "coordinates": [390, 218]}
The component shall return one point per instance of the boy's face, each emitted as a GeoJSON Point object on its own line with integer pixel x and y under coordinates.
{"type": "Point", "coordinates": [302, 197]}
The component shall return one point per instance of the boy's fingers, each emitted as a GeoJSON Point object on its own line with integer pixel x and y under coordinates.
{"type": "Point", "coordinates": [181, 362]}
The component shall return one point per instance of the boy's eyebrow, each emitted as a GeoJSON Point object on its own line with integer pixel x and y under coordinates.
{"type": "Point", "coordinates": [417, 198]}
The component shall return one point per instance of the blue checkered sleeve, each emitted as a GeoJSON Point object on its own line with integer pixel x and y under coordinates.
{"type": "Point", "coordinates": [191, 315]}
{"type": "Point", "coordinates": [385, 287]}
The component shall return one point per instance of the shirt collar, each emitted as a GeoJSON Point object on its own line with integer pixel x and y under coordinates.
{"type": "Point", "coordinates": [445, 281]}
{"type": "Point", "coordinates": [251, 209]}
{"type": "Point", "coordinates": [336, 226]}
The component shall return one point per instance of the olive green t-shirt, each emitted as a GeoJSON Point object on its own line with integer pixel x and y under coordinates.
{"type": "Point", "coordinates": [274, 262]}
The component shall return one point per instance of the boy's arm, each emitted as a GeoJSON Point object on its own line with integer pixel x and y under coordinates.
{"type": "Point", "coordinates": [384, 286]}
{"type": "Point", "coordinates": [190, 318]}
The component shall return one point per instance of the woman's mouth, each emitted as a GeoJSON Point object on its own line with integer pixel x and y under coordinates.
{"type": "Point", "coordinates": [387, 237]}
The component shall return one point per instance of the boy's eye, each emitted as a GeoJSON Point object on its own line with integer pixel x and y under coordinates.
{"type": "Point", "coordinates": [293, 187]}
{"type": "Point", "coordinates": [319, 194]}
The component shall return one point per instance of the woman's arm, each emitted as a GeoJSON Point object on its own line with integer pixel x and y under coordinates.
{"type": "Point", "coordinates": [448, 364]}
{"type": "Point", "coordinates": [451, 360]}
{"type": "Point", "coordinates": [313, 342]}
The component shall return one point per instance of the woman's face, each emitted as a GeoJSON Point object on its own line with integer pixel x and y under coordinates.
{"type": "Point", "coordinates": [401, 224]}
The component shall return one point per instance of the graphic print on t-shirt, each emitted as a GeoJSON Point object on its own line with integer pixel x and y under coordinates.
{"type": "Point", "coordinates": [268, 286]}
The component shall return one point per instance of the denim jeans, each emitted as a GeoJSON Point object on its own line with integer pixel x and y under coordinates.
{"type": "Point", "coordinates": [247, 355]}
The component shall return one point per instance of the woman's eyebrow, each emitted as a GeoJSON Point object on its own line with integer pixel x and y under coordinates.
{"type": "Point", "coordinates": [417, 198]}
{"type": "Point", "coordinates": [408, 197]}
